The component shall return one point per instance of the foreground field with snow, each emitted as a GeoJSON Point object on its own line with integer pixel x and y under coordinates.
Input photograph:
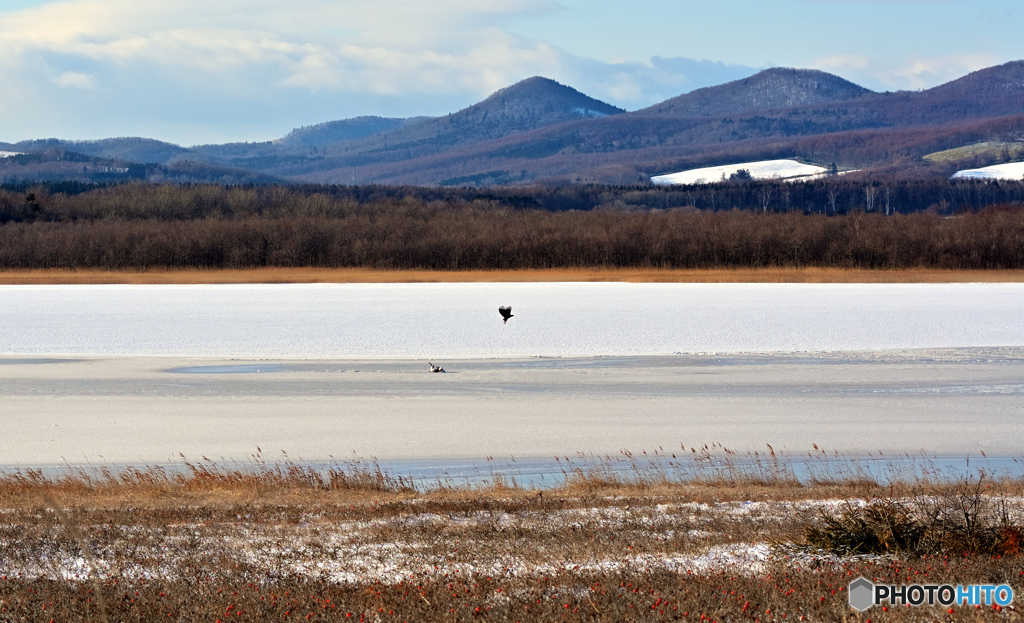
{"type": "Point", "coordinates": [763, 170]}
{"type": "Point", "coordinates": [702, 533]}
{"type": "Point", "coordinates": [1010, 171]}
{"type": "Point", "coordinates": [284, 543]}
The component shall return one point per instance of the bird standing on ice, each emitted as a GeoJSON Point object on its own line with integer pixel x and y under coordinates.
{"type": "Point", "coordinates": [506, 313]}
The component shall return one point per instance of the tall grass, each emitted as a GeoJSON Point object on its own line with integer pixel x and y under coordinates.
{"type": "Point", "coordinates": [715, 466]}
{"type": "Point", "coordinates": [637, 537]}
{"type": "Point", "coordinates": [257, 477]}
{"type": "Point", "coordinates": [709, 467]}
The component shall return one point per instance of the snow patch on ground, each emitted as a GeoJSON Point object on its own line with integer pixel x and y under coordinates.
{"type": "Point", "coordinates": [1009, 171]}
{"type": "Point", "coordinates": [763, 170]}
{"type": "Point", "coordinates": [347, 552]}
{"type": "Point", "coordinates": [8, 154]}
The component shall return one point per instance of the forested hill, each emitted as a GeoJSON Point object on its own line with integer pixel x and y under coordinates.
{"type": "Point", "coordinates": [872, 131]}
{"type": "Point", "coordinates": [541, 131]}
{"type": "Point", "coordinates": [769, 89]}
{"type": "Point", "coordinates": [528, 105]}
{"type": "Point", "coordinates": [131, 149]}
{"type": "Point", "coordinates": [833, 121]}
{"type": "Point", "coordinates": [344, 130]}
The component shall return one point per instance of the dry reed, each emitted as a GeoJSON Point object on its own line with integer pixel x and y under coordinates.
{"type": "Point", "coordinates": [646, 537]}
{"type": "Point", "coordinates": [368, 275]}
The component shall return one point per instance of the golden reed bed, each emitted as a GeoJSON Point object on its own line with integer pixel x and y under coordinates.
{"type": "Point", "coordinates": [365, 275]}
{"type": "Point", "coordinates": [290, 543]}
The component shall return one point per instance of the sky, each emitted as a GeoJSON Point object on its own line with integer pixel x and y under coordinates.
{"type": "Point", "coordinates": [212, 71]}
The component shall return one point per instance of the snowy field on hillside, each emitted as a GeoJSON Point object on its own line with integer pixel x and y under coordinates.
{"type": "Point", "coordinates": [1009, 171]}
{"type": "Point", "coordinates": [764, 170]}
{"type": "Point", "coordinates": [8, 154]}
{"type": "Point", "coordinates": [462, 320]}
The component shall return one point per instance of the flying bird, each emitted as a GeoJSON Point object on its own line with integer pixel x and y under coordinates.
{"type": "Point", "coordinates": [506, 313]}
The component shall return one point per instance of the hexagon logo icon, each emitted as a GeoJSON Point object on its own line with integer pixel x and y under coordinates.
{"type": "Point", "coordinates": [861, 594]}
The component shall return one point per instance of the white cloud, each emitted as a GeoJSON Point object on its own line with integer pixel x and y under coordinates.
{"type": "Point", "coordinates": [75, 80]}
{"type": "Point", "coordinates": [392, 45]}
{"type": "Point", "coordinates": [928, 72]}
{"type": "Point", "coordinates": [236, 64]}
{"type": "Point", "coordinates": [906, 74]}
{"type": "Point", "coordinates": [841, 62]}
{"type": "Point", "coordinates": [894, 1]}
{"type": "Point", "coordinates": [213, 70]}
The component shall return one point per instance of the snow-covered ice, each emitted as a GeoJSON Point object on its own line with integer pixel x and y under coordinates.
{"type": "Point", "coordinates": [462, 320]}
{"type": "Point", "coordinates": [763, 170]}
{"type": "Point", "coordinates": [1010, 171]}
{"type": "Point", "coordinates": [145, 410]}
{"type": "Point", "coordinates": [131, 374]}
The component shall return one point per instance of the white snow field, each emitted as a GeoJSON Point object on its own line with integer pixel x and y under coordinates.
{"type": "Point", "coordinates": [8, 154]}
{"type": "Point", "coordinates": [1009, 171]}
{"type": "Point", "coordinates": [764, 170]}
{"type": "Point", "coordinates": [384, 321]}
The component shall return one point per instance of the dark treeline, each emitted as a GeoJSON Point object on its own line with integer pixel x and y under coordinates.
{"type": "Point", "coordinates": [847, 195]}
{"type": "Point", "coordinates": [144, 226]}
{"type": "Point", "coordinates": [74, 201]}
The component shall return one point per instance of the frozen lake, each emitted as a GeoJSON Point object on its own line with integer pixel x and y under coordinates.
{"type": "Point", "coordinates": [148, 409]}
{"type": "Point", "coordinates": [447, 321]}
{"type": "Point", "coordinates": [138, 374]}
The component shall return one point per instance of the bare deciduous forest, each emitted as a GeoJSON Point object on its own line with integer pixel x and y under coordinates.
{"type": "Point", "coordinates": [827, 223]}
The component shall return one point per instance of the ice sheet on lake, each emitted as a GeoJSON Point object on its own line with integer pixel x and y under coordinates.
{"type": "Point", "coordinates": [461, 320]}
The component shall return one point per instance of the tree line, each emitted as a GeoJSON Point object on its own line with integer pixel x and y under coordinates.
{"type": "Point", "coordinates": [838, 195]}
{"type": "Point", "coordinates": [146, 226]}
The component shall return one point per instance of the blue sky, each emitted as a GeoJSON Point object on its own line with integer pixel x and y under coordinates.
{"type": "Point", "coordinates": [208, 71]}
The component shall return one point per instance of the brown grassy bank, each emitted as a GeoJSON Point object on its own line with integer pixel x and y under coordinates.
{"type": "Point", "coordinates": [285, 544]}
{"type": "Point", "coordinates": [369, 275]}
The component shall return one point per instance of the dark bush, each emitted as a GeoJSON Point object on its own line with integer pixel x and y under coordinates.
{"type": "Point", "coordinates": [959, 519]}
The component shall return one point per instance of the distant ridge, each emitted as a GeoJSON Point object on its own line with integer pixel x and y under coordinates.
{"type": "Point", "coordinates": [343, 130]}
{"type": "Point", "coordinates": [994, 91]}
{"type": "Point", "coordinates": [771, 88]}
{"type": "Point", "coordinates": [541, 100]}
{"type": "Point", "coordinates": [527, 105]}
{"type": "Point", "coordinates": [132, 149]}
{"type": "Point", "coordinates": [1001, 80]}
{"type": "Point", "coordinates": [540, 131]}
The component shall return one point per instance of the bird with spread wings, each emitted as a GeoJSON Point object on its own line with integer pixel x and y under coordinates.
{"type": "Point", "coordinates": [506, 313]}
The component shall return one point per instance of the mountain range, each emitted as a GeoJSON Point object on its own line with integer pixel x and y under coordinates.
{"type": "Point", "coordinates": [540, 131]}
